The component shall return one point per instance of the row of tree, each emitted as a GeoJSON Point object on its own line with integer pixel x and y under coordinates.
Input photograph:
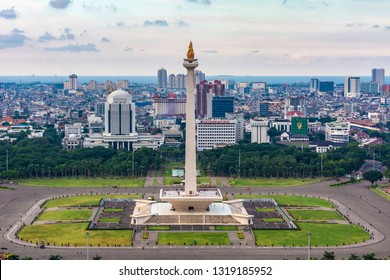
{"type": "Point", "coordinates": [265, 160]}
{"type": "Point", "coordinates": [45, 157]}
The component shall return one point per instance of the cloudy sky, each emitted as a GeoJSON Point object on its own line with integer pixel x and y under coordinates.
{"type": "Point", "coordinates": [236, 37]}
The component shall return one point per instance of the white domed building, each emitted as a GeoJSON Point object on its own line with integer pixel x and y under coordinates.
{"type": "Point", "coordinates": [120, 120]}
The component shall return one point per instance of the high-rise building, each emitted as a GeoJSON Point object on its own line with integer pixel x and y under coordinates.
{"type": "Point", "coordinates": [370, 87]}
{"type": "Point", "coordinates": [259, 130]}
{"type": "Point", "coordinates": [326, 86]}
{"type": "Point", "coordinates": [120, 120]}
{"type": "Point", "coordinates": [264, 109]}
{"type": "Point", "coordinates": [180, 81]}
{"type": "Point", "coordinates": [199, 76]}
{"type": "Point", "coordinates": [378, 75]}
{"type": "Point", "coordinates": [73, 82]}
{"type": "Point", "coordinates": [172, 81]}
{"type": "Point", "coordinates": [205, 92]}
{"type": "Point", "coordinates": [222, 105]}
{"type": "Point", "coordinates": [352, 87]}
{"type": "Point", "coordinates": [211, 133]}
{"type": "Point", "coordinates": [162, 78]}
{"type": "Point", "coordinates": [171, 105]}
{"type": "Point", "coordinates": [386, 91]}
{"type": "Point", "coordinates": [314, 85]}
{"type": "Point", "coordinates": [123, 84]}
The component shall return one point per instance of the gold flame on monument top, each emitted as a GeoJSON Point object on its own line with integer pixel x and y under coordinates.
{"type": "Point", "coordinates": [190, 53]}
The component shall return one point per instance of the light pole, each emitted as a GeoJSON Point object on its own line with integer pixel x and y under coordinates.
{"type": "Point", "coordinates": [87, 235]}
{"type": "Point", "coordinates": [308, 245]}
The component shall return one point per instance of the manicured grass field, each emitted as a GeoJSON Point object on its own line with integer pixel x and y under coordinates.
{"type": "Point", "coordinates": [169, 181]}
{"type": "Point", "coordinates": [66, 215]}
{"type": "Point", "coordinates": [167, 171]}
{"type": "Point", "coordinates": [218, 182]}
{"type": "Point", "coordinates": [75, 234]}
{"type": "Point", "coordinates": [155, 182]}
{"type": "Point", "coordinates": [83, 200]}
{"type": "Point", "coordinates": [113, 210]}
{"type": "Point", "coordinates": [273, 220]}
{"type": "Point", "coordinates": [110, 220]}
{"type": "Point", "coordinates": [82, 182]}
{"type": "Point", "coordinates": [269, 183]}
{"type": "Point", "coordinates": [189, 238]}
{"type": "Point", "coordinates": [315, 215]}
{"type": "Point", "coordinates": [265, 210]}
{"type": "Point", "coordinates": [320, 235]}
{"type": "Point", "coordinates": [291, 200]}
{"type": "Point", "coordinates": [380, 193]}
{"type": "Point", "coordinates": [226, 228]}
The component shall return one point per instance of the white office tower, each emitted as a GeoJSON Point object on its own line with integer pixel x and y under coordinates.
{"type": "Point", "coordinates": [120, 120]}
{"type": "Point", "coordinates": [259, 132]}
{"type": "Point", "coordinates": [352, 87]}
{"type": "Point", "coordinates": [378, 75]}
{"type": "Point", "coordinates": [213, 133]}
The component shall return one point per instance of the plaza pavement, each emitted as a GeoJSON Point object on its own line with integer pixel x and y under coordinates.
{"type": "Point", "coordinates": [359, 203]}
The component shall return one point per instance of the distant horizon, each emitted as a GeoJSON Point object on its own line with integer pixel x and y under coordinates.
{"type": "Point", "coordinates": [150, 79]}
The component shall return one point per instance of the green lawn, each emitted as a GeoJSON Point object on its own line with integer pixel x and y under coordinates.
{"type": "Point", "coordinates": [273, 220]}
{"type": "Point", "coordinates": [320, 235]}
{"type": "Point", "coordinates": [169, 181]}
{"type": "Point", "coordinates": [189, 238]}
{"type": "Point", "coordinates": [381, 193]}
{"type": "Point", "coordinates": [66, 215]}
{"type": "Point", "coordinates": [83, 200]}
{"type": "Point", "coordinates": [269, 183]}
{"type": "Point", "coordinates": [113, 210]}
{"type": "Point", "coordinates": [82, 182]}
{"type": "Point", "coordinates": [109, 220]}
{"type": "Point", "coordinates": [315, 215]}
{"type": "Point", "coordinates": [155, 182]}
{"type": "Point", "coordinates": [74, 234]}
{"type": "Point", "coordinates": [291, 200]}
{"type": "Point", "coordinates": [265, 210]}
{"type": "Point", "coordinates": [218, 182]}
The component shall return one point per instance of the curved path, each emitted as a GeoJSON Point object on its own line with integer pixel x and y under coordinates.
{"type": "Point", "coordinates": [359, 201]}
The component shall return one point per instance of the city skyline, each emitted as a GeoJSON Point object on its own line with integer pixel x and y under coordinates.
{"type": "Point", "coordinates": [284, 37]}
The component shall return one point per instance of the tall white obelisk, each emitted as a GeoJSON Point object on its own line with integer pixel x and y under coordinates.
{"type": "Point", "coordinates": [190, 161]}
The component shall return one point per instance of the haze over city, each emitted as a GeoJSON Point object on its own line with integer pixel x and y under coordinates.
{"type": "Point", "coordinates": [112, 37]}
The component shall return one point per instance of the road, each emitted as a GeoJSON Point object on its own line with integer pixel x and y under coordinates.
{"type": "Point", "coordinates": [358, 199]}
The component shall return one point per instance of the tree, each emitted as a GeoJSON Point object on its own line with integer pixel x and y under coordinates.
{"type": "Point", "coordinates": [369, 257]}
{"type": "Point", "coordinates": [55, 257]}
{"type": "Point", "coordinates": [97, 257]}
{"type": "Point", "coordinates": [354, 257]}
{"type": "Point", "coordinates": [27, 258]}
{"type": "Point", "coordinates": [387, 174]}
{"type": "Point", "coordinates": [273, 133]}
{"type": "Point", "coordinates": [372, 176]}
{"type": "Point", "coordinates": [328, 256]}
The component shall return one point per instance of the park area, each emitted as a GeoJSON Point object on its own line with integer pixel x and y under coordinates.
{"type": "Point", "coordinates": [64, 222]}
{"type": "Point", "coordinates": [310, 214]}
